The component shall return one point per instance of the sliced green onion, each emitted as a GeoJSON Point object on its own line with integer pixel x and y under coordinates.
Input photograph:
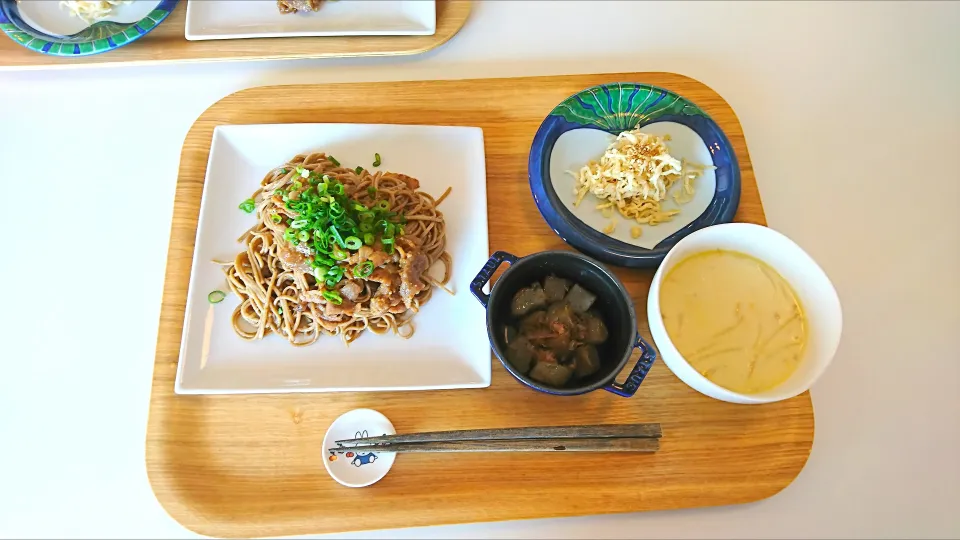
{"type": "Point", "coordinates": [338, 254]}
{"type": "Point", "coordinates": [248, 205]}
{"type": "Point", "coordinates": [358, 170]}
{"type": "Point", "coordinates": [283, 171]}
{"type": "Point", "coordinates": [386, 241]}
{"type": "Point", "coordinates": [388, 248]}
{"type": "Point", "coordinates": [299, 223]}
{"type": "Point", "coordinates": [371, 191]}
{"type": "Point", "coordinates": [303, 236]}
{"type": "Point", "coordinates": [297, 185]}
{"type": "Point", "coordinates": [276, 218]}
{"type": "Point", "coordinates": [280, 192]}
{"type": "Point", "coordinates": [290, 235]}
{"type": "Point", "coordinates": [368, 239]}
{"type": "Point", "coordinates": [333, 297]}
{"type": "Point", "coordinates": [333, 160]}
{"type": "Point", "coordinates": [337, 189]}
{"type": "Point", "coordinates": [383, 205]}
{"type": "Point", "coordinates": [352, 242]}
{"type": "Point", "coordinates": [216, 297]}
{"type": "Point", "coordinates": [376, 160]}
{"type": "Point", "coordinates": [365, 226]}
{"type": "Point", "coordinates": [363, 269]}
{"type": "Point", "coordinates": [336, 236]}
{"type": "Point", "coordinates": [302, 172]}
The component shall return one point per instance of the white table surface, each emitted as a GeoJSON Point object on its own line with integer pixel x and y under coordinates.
{"type": "Point", "coordinates": [851, 114]}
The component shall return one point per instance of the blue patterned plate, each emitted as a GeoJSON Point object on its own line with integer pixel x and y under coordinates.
{"type": "Point", "coordinates": [580, 128]}
{"type": "Point", "coordinates": [19, 21]}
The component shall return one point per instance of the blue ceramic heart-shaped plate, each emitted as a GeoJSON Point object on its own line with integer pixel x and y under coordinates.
{"type": "Point", "coordinates": [580, 128]}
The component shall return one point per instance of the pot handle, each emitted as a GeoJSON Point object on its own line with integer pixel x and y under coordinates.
{"type": "Point", "coordinates": [476, 286]}
{"type": "Point", "coordinates": [639, 371]}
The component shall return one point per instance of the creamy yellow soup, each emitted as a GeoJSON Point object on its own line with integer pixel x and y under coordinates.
{"type": "Point", "coordinates": [734, 319]}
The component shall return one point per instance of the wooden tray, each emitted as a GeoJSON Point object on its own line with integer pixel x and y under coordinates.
{"type": "Point", "coordinates": [235, 466]}
{"type": "Point", "coordinates": [167, 43]}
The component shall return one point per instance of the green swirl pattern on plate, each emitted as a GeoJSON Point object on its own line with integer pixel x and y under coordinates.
{"type": "Point", "coordinates": [623, 106]}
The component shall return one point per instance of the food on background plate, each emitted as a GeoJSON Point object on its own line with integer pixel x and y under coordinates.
{"type": "Point", "coordinates": [556, 333]}
{"type": "Point", "coordinates": [734, 319]}
{"type": "Point", "coordinates": [634, 176]}
{"type": "Point", "coordinates": [336, 251]}
{"type": "Point", "coordinates": [294, 6]}
{"type": "Point", "coordinates": [91, 11]}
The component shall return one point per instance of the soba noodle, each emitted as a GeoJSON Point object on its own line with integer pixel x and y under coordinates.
{"type": "Point", "coordinates": [279, 293]}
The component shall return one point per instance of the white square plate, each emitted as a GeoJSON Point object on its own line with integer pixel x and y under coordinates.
{"type": "Point", "coordinates": [232, 19]}
{"type": "Point", "coordinates": [450, 347]}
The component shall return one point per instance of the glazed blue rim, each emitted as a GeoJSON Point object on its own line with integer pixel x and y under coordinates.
{"type": "Point", "coordinates": [95, 39]}
{"type": "Point", "coordinates": [585, 238]}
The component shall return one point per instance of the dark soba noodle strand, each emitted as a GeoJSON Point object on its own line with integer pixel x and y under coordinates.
{"type": "Point", "coordinates": [272, 293]}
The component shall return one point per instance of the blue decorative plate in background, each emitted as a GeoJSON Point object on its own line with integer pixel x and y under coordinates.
{"type": "Point", "coordinates": [42, 26]}
{"type": "Point", "coordinates": [580, 128]}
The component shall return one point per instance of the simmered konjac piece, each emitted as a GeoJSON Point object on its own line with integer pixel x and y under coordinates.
{"type": "Point", "coordinates": [556, 333]}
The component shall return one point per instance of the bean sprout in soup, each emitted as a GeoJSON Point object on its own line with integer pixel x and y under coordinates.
{"type": "Point", "coordinates": [734, 319]}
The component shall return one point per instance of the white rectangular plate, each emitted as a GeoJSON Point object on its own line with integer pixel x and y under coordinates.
{"type": "Point", "coordinates": [450, 347]}
{"type": "Point", "coordinates": [232, 19]}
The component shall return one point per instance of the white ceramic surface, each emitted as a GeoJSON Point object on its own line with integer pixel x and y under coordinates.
{"type": "Point", "coordinates": [347, 467]}
{"type": "Point", "coordinates": [576, 147]}
{"type": "Point", "coordinates": [231, 19]}
{"type": "Point", "coordinates": [449, 348]}
{"type": "Point", "coordinates": [48, 17]}
{"type": "Point", "coordinates": [817, 296]}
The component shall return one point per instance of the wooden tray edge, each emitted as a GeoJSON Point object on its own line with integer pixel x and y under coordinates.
{"type": "Point", "coordinates": [457, 11]}
{"type": "Point", "coordinates": [196, 522]}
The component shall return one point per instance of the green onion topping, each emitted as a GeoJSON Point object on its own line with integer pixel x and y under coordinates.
{"type": "Point", "coordinates": [358, 170]}
{"type": "Point", "coordinates": [333, 160]}
{"type": "Point", "coordinates": [363, 269]}
{"type": "Point", "coordinates": [216, 297]}
{"type": "Point", "coordinates": [376, 160]}
{"type": "Point", "coordinates": [352, 243]}
{"type": "Point", "coordinates": [248, 205]}
{"type": "Point", "coordinates": [333, 297]}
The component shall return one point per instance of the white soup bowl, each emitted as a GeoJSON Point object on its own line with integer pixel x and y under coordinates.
{"type": "Point", "coordinates": [816, 294]}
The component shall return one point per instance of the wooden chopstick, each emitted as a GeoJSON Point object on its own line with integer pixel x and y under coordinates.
{"type": "Point", "coordinates": [645, 431]}
{"type": "Point", "coordinates": [516, 445]}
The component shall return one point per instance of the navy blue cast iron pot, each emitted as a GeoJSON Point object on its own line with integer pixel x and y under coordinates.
{"type": "Point", "coordinates": [613, 303]}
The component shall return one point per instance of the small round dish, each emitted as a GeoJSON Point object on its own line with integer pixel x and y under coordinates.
{"type": "Point", "coordinates": [354, 469]}
{"type": "Point", "coordinates": [43, 27]}
{"type": "Point", "coordinates": [613, 303]}
{"type": "Point", "coordinates": [580, 128]}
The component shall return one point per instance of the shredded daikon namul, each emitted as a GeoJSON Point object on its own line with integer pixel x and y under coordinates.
{"type": "Point", "coordinates": [91, 11]}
